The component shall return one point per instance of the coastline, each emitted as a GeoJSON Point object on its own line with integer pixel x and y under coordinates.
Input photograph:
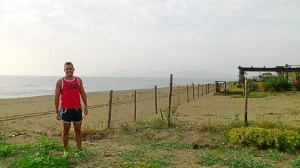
{"type": "Point", "coordinates": [36, 115]}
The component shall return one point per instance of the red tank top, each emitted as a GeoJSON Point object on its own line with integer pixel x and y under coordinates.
{"type": "Point", "coordinates": [70, 93]}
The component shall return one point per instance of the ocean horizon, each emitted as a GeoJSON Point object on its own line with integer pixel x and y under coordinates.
{"type": "Point", "coordinates": [31, 86]}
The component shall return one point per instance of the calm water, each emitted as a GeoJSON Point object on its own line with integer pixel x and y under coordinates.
{"type": "Point", "coordinates": [29, 86]}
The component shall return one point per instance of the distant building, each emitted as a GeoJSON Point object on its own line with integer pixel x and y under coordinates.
{"type": "Point", "coordinates": [291, 72]}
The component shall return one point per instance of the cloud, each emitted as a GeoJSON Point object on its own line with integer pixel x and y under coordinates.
{"type": "Point", "coordinates": [148, 35]}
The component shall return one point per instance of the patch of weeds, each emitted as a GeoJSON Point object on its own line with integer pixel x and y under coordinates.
{"type": "Point", "coordinates": [274, 155]}
{"type": "Point", "coordinates": [125, 127]}
{"type": "Point", "coordinates": [45, 145]}
{"type": "Point", "coordinates": [212, 127]}
{"type": "Point", "coordinates": [157, 124]}
{"type": "Point", "coordinates": [139, 158]}
{"type": "Point", "coordinates": [217, 127]}
{"type": "Point", "coordinates": [128, 155]}
{"type": "Point", "coordinates": [170, 146]}
{"type": "Point", "coordinates": [153, 124]}
{"type": "Point", "coordinates": [40, 160]}
{"type": "Point", "coordinates": [272, 124]}
{"type": "Point", "coordinates": [209, 160]}
{"type": "Point", "coordinates": [295, 162]}
{"type": "Point", "coordinates": [147, 135]}
{"type": "Point", "coordinates": [186, 124]}
{"type": "Point", "coordinates": [46, 153]}
{"type": "Point", "coordinates": [251, 95]}
{"type": "Point", "coordinates": [257, 95]}
{"type": "Point", "coordinates": [232, 158]}
{"type": "Point", "coordinates": [243, 159]}
{"type": "Point", "coordinates": [7, 150]}
{"type": "Point", "coordinates": [225, 150]}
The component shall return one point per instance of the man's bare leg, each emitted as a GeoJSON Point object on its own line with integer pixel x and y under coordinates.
{"type": "Point", "coordinates": [78, 138]}
{"type": "Point", "coordinates": [65, 135]}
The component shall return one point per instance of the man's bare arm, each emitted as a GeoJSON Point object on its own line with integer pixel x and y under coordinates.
{"type": "Point", "coordinates": [83, 96]}
{"type": "Point", "coordinates": [57, 94]}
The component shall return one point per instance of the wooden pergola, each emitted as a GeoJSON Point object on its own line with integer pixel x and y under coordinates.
{"type": "Point", "coordinates": [280, 69]}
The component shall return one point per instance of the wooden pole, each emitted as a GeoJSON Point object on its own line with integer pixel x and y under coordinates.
{"type": "Point", "coordinates": [198, 90]}
{"type": "Point", "coordinates": [187, 93]}
{"type": "Point", "coordinates": [110, 109]}
{"type": "Point", "coordinates": [202, 87]}
{"type": "Point", "coordinates": [155, 97]}
{"type": "Point", "coordinates": [178, 94]}
{"type": "Point", "coordinates": [170, 101]}
{"type": "Point", "coordinates": [134, 106]}
{"type": "Point", "coordinates": [246, 104]}
{"type": "Point", "coordinates": [193, 90]}
{"type": "Point", "coordinates": [208, 88]}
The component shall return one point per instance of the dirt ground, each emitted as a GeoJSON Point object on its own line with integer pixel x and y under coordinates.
{"type": "Point", "coordinates": [24, 119]}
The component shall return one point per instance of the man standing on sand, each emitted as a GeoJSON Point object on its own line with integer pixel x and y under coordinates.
{"type": "Point", "coordinates": [69, 89]}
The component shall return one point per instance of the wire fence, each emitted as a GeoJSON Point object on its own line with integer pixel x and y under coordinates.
{"type": "Point", "coordinates": [201, 103]}
{"type": "Point", "coordinates": [196, 102]}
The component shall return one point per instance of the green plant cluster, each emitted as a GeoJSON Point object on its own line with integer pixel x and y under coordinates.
{"type": "Point", "coordinates": [232, 158]}
{"type": "Point", "coordinates": [46, 153]}
{"type": "Point", "coordinates": [272, 84]}
{"type": "Point", "coordinates": [284, 140]}
{"type": "Point", "coordinates": [278, 83]}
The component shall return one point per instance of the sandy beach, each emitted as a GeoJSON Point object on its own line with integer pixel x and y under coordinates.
{"type": "Point", "coordinates": [36, 116]}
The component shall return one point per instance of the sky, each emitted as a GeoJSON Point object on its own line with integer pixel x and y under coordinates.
{"type": "Point", "coordinates": [147, 38]}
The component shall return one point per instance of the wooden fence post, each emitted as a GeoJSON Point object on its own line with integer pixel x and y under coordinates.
{"type": "Point", "coordinates": [246, 104]}
{"type": "Point", "coordinates": [198, 90]}
{"type": "Point", "coordinates": [208, 88]}
{"type": "Point", "coordinates": [170, 101]}
{"type": "Point", "coordinates": [178, 94]}
{"type": "Point", "coordinates": [110, 109]}
{"type": "Point", "coordinates": [193, 90]}
{"type": "Point", "coordinates": [155, 97]}
{"type": "Point", "coordinates": [187, 93]}
{"type": "Point", "coordinates": [134, 106]}
{"type": "Point", "coordinates": [202, 87]}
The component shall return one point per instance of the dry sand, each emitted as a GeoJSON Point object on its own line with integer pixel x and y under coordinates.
{"type": "Point", "coordinates": [36, 115]}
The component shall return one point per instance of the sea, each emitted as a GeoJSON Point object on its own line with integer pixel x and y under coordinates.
{"type": "Point", "coordinates": [31, 86]}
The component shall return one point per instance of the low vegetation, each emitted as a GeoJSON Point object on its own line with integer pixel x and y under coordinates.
{"type": "Point", "coordinates": [46, 153]}
{"type": "Point", "coordinates": [153, 144]}
{"type": "Point", "coordinates": [262, 138]}
{"type": "Point", "coordinates": [272, 84]}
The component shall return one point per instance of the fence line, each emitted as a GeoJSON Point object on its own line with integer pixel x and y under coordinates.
{"type": "Point", "coordinates": [161, 101]}
{"type": "Point", "coordinates": [195, 102]}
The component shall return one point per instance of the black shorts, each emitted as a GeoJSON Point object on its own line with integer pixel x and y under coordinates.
{"type": "Point", "coordinates": [69, 115]}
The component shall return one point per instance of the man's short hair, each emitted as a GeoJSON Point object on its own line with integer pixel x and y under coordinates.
{"type": "Point", "coordinates": [68, 63]}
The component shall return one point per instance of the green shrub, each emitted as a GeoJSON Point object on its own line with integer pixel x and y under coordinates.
{"type": "Point", "coordinates": [253, 86]}
{"type": "Point", "coordinates": [284, 140]}
{"type": "Point", "coordinates": [278, 83]}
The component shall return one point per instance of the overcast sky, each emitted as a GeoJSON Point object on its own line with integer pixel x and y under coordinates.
{"type": "Point", "coordinates": [147, 38]}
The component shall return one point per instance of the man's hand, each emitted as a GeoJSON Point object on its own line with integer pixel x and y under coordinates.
{"type": "Point", "coordinates": [58, 115]}
{"type": "Point", "coordinates": [86, 111]}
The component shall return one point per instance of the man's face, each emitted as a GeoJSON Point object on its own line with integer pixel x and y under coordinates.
{"type": "Point", "coordinates": [69, 70]}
